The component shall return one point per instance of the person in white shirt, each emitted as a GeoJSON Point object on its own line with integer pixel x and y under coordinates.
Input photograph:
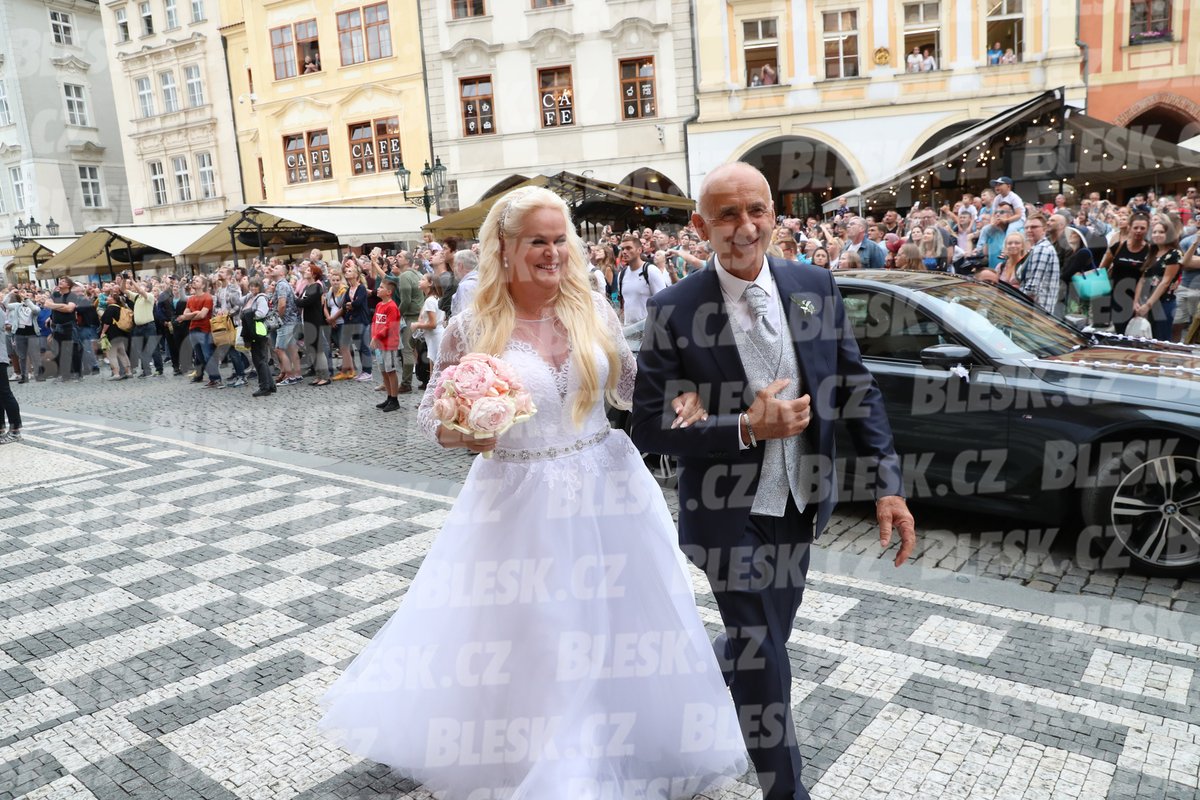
{"type": "Point", "coordinates": [638, 281]}
{"type": "Point", "coordinates": [914, 60]}
{"type": "Point", "coordinates": [929, 63]}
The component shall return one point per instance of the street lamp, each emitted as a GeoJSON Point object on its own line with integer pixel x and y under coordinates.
{"type": "Point", "coordinates": [19, 231]}
{"type": "Point", "coordinates": [52, 227]}
{"type": "Point", "coordinates": [432, 189]}
{"type": "Point", "coordinates": [35, 230]}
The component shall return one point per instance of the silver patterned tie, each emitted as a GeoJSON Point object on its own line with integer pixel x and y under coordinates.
{"type": "Point", "coordinates": [759, 302]}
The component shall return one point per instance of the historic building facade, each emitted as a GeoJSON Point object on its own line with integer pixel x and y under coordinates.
{"type": "Point", "coordinates": [832, 94]}
{"type": "Point", "coordinates": [1143, 66]}
{"type": "Point", "coordinates": [60, 149]}
{"type": "Point", "coordinates": [172, 97]}
{"type": "Point", "coordinates": [329, 99]}
{"type": "Point", "coordinates": [528, 87]}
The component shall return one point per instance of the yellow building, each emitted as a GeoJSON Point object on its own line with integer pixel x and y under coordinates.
{"type": "Point", "coordinates": [329, 99]}
{"type": "Point", "coordinates": [827, 95]}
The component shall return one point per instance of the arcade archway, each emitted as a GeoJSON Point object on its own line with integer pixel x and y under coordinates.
{"type": "Point", "coordinates": [652, 180]}
{"type": "Point", "coordinates": [803, 173]}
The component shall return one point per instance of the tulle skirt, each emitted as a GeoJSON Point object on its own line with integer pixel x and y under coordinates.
{"type": "Point", "coordinates": [549, 646]}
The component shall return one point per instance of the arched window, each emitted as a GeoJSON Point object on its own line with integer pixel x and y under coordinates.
{"type": "Point", "coordinates": [1149, 20]}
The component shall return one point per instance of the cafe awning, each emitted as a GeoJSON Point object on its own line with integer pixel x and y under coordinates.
{"type": "Point", "coordinates": [589, 199]}
{"type": "Point", "coordinates": [1040, 141]}
{"type": "Point", "coordinates": [40, 249]}
{"type": "Point", "coordinates": [291, 228]}
{"type": "Point", "coordinates": [112, 248]}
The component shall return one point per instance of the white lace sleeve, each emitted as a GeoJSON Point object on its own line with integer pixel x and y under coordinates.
{"type": "Point", "coordinates": [628, 361]}
{"type": "Point", "coordinates": [453, 347]}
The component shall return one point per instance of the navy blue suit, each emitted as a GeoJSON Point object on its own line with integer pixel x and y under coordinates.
{"type": "Point", "coordinates": [755, 565]}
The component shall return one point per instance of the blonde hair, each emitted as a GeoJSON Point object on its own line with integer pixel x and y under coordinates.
{"type": "Point", "coordinates": [493, 318]}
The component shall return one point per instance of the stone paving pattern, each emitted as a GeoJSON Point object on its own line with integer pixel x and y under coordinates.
{"type": "Point", "coordinates": [169, 614]}
{"type": "Point", "coordinates": [339, 421]}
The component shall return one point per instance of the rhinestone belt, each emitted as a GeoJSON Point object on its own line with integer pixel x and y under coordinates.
{"type": "Point", "coordinates": [553, 452]}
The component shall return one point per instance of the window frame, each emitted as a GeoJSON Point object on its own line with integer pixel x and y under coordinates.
{"type": "Point", "coordinates": [171, 12]}
{"type": "Point", "coordinates": [1140, 17]}
{"type": "Point", "coordinates": [207, 175]}
{"type": "Point", "coordinates": [170, 91]}
{"type": "Point", "coordinates": [145, 98]}
{"type": "Point", "coordinates": [301, 44]}
{"type": "Point", "coordinates": [760, 43]}
{"type": "Point", "coordinates": [183, 179]}
{"type": "Point", "coordinates": [5, 111]}
{"type": "Point", "coordinates": [285, 48]}
{"type": "Point", "coordinates": [147, 16]}
{"type": "Point", "coordinates": [466, 9]}
{"type": "Point", "coordinates": [379, 29]}
{"type": "Point", "coordinates": [558, 110]}
{"type": "Point", "coordinates": [193, 81]}
{"type": "Point", "coordinates": [637, 83]}
{"type": "Point", "coordinates": [540, 4]}
{"type": "Point", "coordinates": [90, 186]}
{"type": "Point", "coordinates": [391, 135]}
{"type": "Point", "coordinates": [841, 35]}
{"type": "Point", "coordinates": [121, 16]}
{"type": "Point", "coordinates": [16, 179]}
{"type": "Point", "coordinates": [62, 27]}
{"type": "Point", "coordinates": [922, 26]}
{"type": "Point", "coordinates": [353, 34]}
{"type": "Point", "coordinates": [158, 183]}
{"type": "Point", "coordinates": [203, 15]}
{"type": "Point", "coordinates": [309, 149]}
{"type": "Point", "coordinates": [463, 99]}
{"type": "Point", "coordinates": [77, 110]}
{"type": "Point", "coordinates": [1017, 18]}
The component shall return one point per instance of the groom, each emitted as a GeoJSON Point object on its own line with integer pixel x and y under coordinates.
{"type": "Point", "coordinates": [766, 345]}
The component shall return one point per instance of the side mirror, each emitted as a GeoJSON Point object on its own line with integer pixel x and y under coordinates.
{"type": "Point", "coordinates": [945, 356]}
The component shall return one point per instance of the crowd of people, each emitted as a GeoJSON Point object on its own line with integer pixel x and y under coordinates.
{"type": "Point", "coordinates": [378, 317]}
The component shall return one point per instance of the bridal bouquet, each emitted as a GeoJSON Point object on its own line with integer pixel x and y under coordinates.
{"type": "Point", "coordinates": [481, 396]}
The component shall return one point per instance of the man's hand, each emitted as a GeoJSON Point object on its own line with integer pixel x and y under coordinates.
{"type": "Point", "coordinates": [892, 512]}
{"type": "Point", "coordinates": [772, 418]}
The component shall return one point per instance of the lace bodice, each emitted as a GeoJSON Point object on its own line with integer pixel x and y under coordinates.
{"type": "Point", "coordinates": [539, 350]}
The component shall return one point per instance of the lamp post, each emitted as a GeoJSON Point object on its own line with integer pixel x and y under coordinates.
{"type": "Point", "coordinates": [432, 189]}
{"type": "Point", "coordinates": [19, 231]}
{"type": "Point", "coordinates": [34, 228]}
{"type": "Point", "coordinates": [52, 227]}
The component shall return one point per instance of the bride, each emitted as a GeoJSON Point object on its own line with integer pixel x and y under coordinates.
{"type": "Point", "coordinates": [549, 646]}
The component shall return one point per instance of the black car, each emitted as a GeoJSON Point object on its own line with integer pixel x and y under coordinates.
{"type": "Point", "coordinates": [1000, 407]}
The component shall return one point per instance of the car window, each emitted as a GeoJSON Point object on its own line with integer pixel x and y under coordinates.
{"type": "Point", "coordinates": [887, 327]}
{"type": "Point", "coordinates": [1001, 323]}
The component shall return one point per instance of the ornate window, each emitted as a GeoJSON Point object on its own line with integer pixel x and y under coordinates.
{"type": "Point", "coordinates": [478, 105]}
{"type": "Point", "coordinates": [172, 13]}
{"type": "Point", "coordinates": [195, 85]}
{"type": "Point", "coordinates": [760, 48]}
{"type": "Point", "coordinates": [147, 19]}
{"type": "Point", "coordinates": [307, 157]}
{"type": "Point", "coordinates": [76, 105]}
{"type": "Point", "coordinates": [208, 175]}
{"type": "Point", "coordinates": [122, 25]}
{"type": "Point", "coordinates": [145, 97]}
{"type": "Point", "coordinates": [556, 97]}
{"type": "Point", "coordinates": [375, 146]}
{"type": "Point", "coordinates": [638, 99]}
{"type": "Point", "coordinates": [295, 50]}
{"type": "Point", "coordinates": [922, 33]}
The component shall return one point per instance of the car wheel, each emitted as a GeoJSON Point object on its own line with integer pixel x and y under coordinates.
{"type": "Point", "coordinates": [1148, 505]}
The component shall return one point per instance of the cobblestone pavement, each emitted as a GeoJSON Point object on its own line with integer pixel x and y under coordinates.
{"type": "Point", "coordinates": [338, 422]}
{"type": "Point", "coordinates": [171, 611]}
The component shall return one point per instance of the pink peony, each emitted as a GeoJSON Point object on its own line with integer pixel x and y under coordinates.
{"type": "Point", "coordinates": [473, 378]}
{"type": "Point", "coordinates": [445, 409]}
{"type": "Point", "coordinates": [505, 372]}
{"type": "Point", "coordinates": [490, 415]}
{"type": "Point", "coordinates": [524, 403]}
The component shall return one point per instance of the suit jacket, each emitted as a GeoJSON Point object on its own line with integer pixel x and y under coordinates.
{"type": "Point", "coordinates": [688, 346]}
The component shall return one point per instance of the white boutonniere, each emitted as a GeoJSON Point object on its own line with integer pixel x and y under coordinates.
{"type": "Point", "coordinates": [805, 304]}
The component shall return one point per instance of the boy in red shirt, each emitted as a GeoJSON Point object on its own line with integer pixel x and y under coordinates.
{"type": "Point", "coordinates": [385, 337]}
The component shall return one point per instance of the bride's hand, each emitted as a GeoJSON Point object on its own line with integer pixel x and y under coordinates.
{"type": "Point", "coordinates": [450, 438]}
{"type": "Point", "coordinates": [688, 410]}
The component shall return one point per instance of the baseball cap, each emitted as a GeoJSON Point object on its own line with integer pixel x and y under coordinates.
{"type": "Point", "coordinates": [1003, 179]}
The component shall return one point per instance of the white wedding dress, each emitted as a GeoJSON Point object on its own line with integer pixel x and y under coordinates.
{"type": "Point", "coordinates": [549, 646]}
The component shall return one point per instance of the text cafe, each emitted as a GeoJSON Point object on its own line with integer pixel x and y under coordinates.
{"type": "Point", "coordinates": [557, 109]}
